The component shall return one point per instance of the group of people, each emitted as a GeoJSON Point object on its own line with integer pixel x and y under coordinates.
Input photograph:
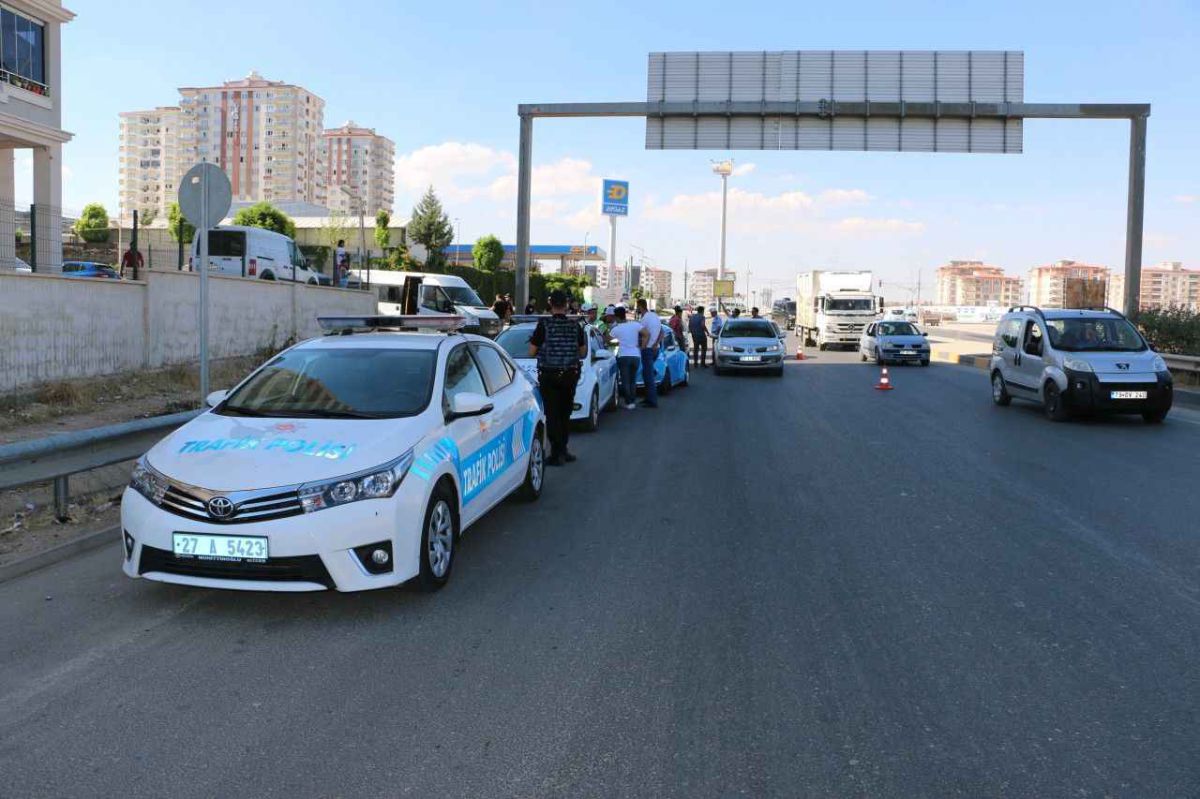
{"type": "Point", "coordinates": [504, 308]}
{"type": "Point", "coordinates": [559, 342]}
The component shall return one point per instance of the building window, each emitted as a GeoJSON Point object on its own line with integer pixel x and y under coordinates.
{"type": "Point", "coordinates": [22, 51]}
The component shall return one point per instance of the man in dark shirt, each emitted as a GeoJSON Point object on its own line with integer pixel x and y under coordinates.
{"type": "Point", "coordinates": [558, 343]}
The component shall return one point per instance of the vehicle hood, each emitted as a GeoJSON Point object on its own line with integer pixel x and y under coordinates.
{"type": "Point", "coordinates": [231, 453]}
{"type": "Point", "coordinates": [904, 341]}
{"type": "Point", "coordinates": [1116, 362]}
{"type": "Point", "coordinates": [748, 343]}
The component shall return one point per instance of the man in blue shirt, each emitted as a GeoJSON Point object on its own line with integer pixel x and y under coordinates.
{"type": "Point", "coordinates": [699, 334]}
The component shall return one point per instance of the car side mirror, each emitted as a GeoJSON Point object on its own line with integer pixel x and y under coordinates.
{"type": "Point", "coordinates": [468, 403]}
{"type": "Point", "coordinates": [923, 333]}
{"type": "Point", "coordinates": [215, 398]}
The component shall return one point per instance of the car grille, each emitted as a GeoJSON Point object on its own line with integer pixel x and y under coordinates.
{"type": "Point", "coordinates": [260, 506]}
{"type": "Point", "coordinates": [302, 569]}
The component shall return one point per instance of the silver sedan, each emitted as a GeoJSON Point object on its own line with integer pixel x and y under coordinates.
{"type": "Point", "coordinates": [895, 342]}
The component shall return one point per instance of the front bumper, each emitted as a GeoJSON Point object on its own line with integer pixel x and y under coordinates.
{"type": "Point", "coordinates": [903, 356]}
{"type": "Point", "coordinates": [309, 552]}
{"type": "Point", "coordinates": [734, 360]}
{"type": "Point", "coordinates": [1087, 393]}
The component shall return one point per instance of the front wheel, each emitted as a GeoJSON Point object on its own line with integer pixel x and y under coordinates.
{"type": "Point", "coordinates": [531, 489]}
{"type": "Point", "coordinates": [879, 358]}
{"type": "Point", "coordinates": [1053, 404]}
{"type": "Point", "coordinates": [1000, 394]}
{"type": "Point", "coordinates": [1155, 417]}
{"type": "Point", "coordinates": [592, 422]}
{"type": "Point", "coordinates": [665, 386]}
{"type": "Point", "coordinates": [925, 362]}
{"type": "Point", "coordinates": [862, 355]}
{"type": "Point", "coordinates": [438, 539]}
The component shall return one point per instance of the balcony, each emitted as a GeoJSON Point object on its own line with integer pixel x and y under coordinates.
{"type": "Point", "coordinates": [24, 83]}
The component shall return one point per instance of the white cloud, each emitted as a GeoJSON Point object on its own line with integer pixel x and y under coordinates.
{"type": "Point", "coordinates": [864, 225]}
{"type": "Point", "coordinates": [743, 169]}
{"type": "Point", "coordinates": [755, 212]}
{"type": "Point", "coordinates": [1186, 198]}
{"type": "Point", "coordinates": [451, 168]}
{"type": "Point", "coordinates": [843, 197]}
{"type": "Point", "coordinates": [565, 177]}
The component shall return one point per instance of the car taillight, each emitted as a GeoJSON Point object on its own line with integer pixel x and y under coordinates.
{"type": "Point", "coordinates": [253, 268]}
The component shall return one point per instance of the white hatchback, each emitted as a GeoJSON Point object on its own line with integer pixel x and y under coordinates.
{"type": "Point", "coordinates": [346, 462]}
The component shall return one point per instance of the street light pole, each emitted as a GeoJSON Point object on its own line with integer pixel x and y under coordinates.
{"type": "Point", "coordinates": [724, 169]}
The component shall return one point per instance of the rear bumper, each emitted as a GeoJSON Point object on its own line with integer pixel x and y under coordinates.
{"type": "Point", "coordinates": [1088, 393]}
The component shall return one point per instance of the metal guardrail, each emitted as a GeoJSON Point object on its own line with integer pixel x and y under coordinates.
{"type": "Point", "coordinates": [1182, 363]}
{"type": "Point", "coordinates": [58, 457]}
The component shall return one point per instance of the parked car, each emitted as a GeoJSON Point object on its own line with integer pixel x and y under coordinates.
{"type": "Point", "coordinates": [749, 345]}
{"type": "Point", "coordinates": [351, 461]}
{"type": "Point", "coordinates": [671, 364]}
{"type": "Point", "coordinates": [254, 252]}
{"type": "Point", "coordinates": [597, 387]}
{"type": "Point", "coordinates": [22, 267]}
{"type": "Point", "coordinates": [89, 269]}
{"type": "Point", "coordinates": [432, 293]}
{"type": "Point", "coordinates": [1078, 360]}
{"type": "Point", "coordinates": [893, 341]}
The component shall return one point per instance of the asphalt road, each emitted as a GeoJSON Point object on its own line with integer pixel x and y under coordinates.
{"type": "Point", "coordinates": [768, 587]}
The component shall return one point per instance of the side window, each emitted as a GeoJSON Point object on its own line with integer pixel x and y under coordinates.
{"type": "Point", "coordinates": [871, 330]}
{"type": "Point", "coordinates": [432, 299]}
{"type": "Point", "coordinates": [1010, 332]}
{"type": "Point", "coordinates": [1033, 338]}
{"type": "Point", "coordinates": [393, 294]}
{"type": "Point", "coordinates": [495, 371]}
{"type": "Point", "coordinates": [462, 375]}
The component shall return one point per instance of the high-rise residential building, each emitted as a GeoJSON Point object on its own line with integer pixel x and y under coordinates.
{"type": "Point", "coordinates": [148, 172]}
{"type": "Point", "coordinates": [31, 119]}
{"type": "Point", "coordinates": [265, 134]}
{"type": "Point", "coordinates": [1068, 284]}
{"type": "Point", "coordinates": [656, 283]}
{"type": "Point", "coordinates": [360, 161]}
{"type": "Point", "coordinates": [974, 283]}
{"type": "Point", "coordinates": [701, 285]}
{"type": "Point", "coordinates": [1167, 285]}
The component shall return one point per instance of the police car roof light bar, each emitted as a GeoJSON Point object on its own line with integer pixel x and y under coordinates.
{"type": "Point", "coordinates": [434, 323]}
{"type": "Point", "coordinates": [535, 317]}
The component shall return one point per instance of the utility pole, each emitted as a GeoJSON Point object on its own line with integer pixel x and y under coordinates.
{"type": "Point", "coordinates": [724, 169]}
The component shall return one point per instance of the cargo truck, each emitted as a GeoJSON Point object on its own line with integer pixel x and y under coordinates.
{"type": "Point", "coordinates": [832, 308]}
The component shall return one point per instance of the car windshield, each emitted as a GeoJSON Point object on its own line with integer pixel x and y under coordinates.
{"type": "Point", "coordinates": [849, 305]}
{"type": "Point", "coordinates": [351, 383]}
{"type": "Point", "coordinates": [1094, 335]}
{"type": "Point", "coordinates": [462, 295]}
{"type": "Point", "coordinates": [897, 329]}
{"type": "Point", "coordinates": [515, 341]}
{"type": "Point", "coordinates": [750, 328]}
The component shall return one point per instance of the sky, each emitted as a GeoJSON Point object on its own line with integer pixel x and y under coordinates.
{"type": "Point", "coordinates": [443, 82]}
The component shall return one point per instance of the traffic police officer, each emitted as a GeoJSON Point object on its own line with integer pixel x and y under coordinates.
{"type": "Point", "coordinates": [558, 343]}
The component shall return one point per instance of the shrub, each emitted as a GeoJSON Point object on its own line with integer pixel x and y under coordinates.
{"type": "Point", "coordinates": [1171, 330]}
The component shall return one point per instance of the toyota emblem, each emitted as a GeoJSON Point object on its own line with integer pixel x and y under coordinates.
{"type": "Point", "coordinates": [220, 508]}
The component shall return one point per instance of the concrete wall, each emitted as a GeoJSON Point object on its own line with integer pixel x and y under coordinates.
{"type": "Point", "coordinates": [57, 328]}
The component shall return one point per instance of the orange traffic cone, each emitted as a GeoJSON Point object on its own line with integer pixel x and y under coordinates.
{"type": "Point", "coordinates": [800, 352]}
{"type": "Point", "coordinates": [884, 383]}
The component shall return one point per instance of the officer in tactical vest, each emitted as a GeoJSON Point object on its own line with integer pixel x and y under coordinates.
{"type": "Point", "coordinates": [558, 343]}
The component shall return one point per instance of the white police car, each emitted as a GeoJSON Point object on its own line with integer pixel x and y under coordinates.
{"type": "Point", "coordinates": [597, 387]}
{"type": "Point", "coordinates": [348, 462]}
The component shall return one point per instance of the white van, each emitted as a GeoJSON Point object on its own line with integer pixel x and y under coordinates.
{"type": "Point", "coordinates": [254, 252]}
{"type": "Point", "coordinates": [429, 293]}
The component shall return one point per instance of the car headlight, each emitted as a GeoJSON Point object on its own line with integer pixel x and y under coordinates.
{"type": "Point", "coordinates": [1077, 365]}
{"type": "Point", "coordinates": [725, 348]}
{"type": "Point", "coordinates": [1160, 365]}
{"type": "Point", "coordinates": [148, 482]}
{"type": "Point", "coordinates": [774, 348]}
{"type": "Point", "coordinates": [377, 483]}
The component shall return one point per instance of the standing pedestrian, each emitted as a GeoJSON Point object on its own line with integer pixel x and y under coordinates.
{"type": "Point", "coordinates": [628, 335]}
{"type": "Point", "coordinates": [530, 307]}
{"type": "Point", "coordinates": [699, 337]}
{"type": "Point", "coordinates": [754, 313]}
{"type": "Point", "coordinates": [501, 308]}
{"type": "Point", "coordinates": [339, 261]}
{"type": "Point", "coordinates": [716, 326]}
{"type": "Point", "coordinates": [651, 334]}
{"type": "Point", "coordinates": [558, 343]}
{"type": "Point", "coordinates": [676, 325]}
{"type": "Point", "coordinates": [132, 260]}
{"type": "Point", "coordinates": [605, 325]}
{"type": "Point", "coordinates": [737, 312]}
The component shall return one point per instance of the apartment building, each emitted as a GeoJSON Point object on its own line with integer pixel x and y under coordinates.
{"type": "Point", "coordinates": [31, 119]}
{"type": "Point", "coordinates": [358, 163]}
{"type": "Point", "coordinates": [701, 285]}
{"type": "Point", "coordinates": [267, 135]}
{"type": "Point", "coordinates": [148, 171]}
{"type": "Point", "coordinates": [1068, 284]}
{"type": "Point", "coordinates": [656, 283]}
{"type": "Point", "coordinates": [974, 283]}
{"type": "Point", "coordinates": [1166, 285]}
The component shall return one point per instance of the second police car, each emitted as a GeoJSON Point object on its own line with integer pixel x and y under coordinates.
{"type": "Point", "coordinates": [348, 462]}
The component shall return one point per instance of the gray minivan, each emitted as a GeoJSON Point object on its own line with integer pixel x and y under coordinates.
{"type": "Point", "coordinates": [1085, 360]}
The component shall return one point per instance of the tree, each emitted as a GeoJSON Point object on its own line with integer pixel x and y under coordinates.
{"type": "Point", "coordinates": [336, 228]}
{"type": "Point", "coordinates": [147, 216]}
{"type": "Point", "coordinates": [637, 293]}
{"type": "Point", "coordinates": [174, 217]}
{"type": "Point", "coordinates": [487, 253]}
{"type": "Point", "coordinates": [266, 216]}
{"type": "Point", "coordinates": [430, 227]}
{"type": "Point", "coordinates": [92, 224]}
{"type": "Point", "coordinates": [383, 236]}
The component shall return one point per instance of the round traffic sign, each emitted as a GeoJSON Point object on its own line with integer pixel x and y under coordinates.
{"type": "Point", "coordinates": [191, 191]}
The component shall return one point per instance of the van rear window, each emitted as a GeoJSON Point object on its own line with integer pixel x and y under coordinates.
{"type": "Point", "coordinates": [227, 243]}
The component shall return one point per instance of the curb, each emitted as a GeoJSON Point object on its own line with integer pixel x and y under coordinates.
{"type": "Point", "coordinates": [1186, 397]}
{"type": "Point", "coordinates": [84, 543]}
